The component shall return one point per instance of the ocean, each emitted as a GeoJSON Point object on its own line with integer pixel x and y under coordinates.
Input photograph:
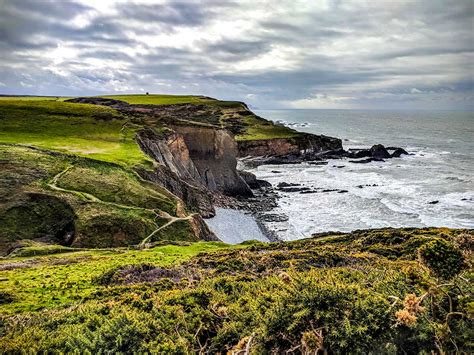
{"type": "Point", "coordinates": [431, 187]}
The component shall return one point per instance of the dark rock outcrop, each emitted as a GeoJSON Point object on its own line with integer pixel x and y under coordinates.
{"type": "Point", "coordinates": [398, 152]}
{"type": "Point", "coordinates": [249, 178]}
{"type": "Point", "coordinates": [378, 151]}
{"type": "Point", "coordinates": [304, 147]}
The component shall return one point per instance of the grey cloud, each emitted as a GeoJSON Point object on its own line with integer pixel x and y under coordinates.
{"type": "Point", "coordinates": [180, 13]}
{"type": "Point", "coordinates": [417, 52]}
{"type": "Point", "coordinates": [358, 50]}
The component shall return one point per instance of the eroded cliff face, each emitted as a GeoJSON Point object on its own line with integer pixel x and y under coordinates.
{"type": "Point", "coordinates": [195, 161]}
{"type": "Point", "coordinates": [303, 145]}
{"type": "Point", "coordinates": [213, 153]}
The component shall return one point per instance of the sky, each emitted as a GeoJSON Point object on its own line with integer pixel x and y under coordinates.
{"type": "Point", "coordinates": [353, 54]}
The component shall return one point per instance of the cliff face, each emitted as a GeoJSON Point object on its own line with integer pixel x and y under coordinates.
{"type": "Point", "coordinates": [213, 153]}
{"type": "Point", "coordinates": [194, 161]}
{"type": "Point", "coordinates": [303, 145]}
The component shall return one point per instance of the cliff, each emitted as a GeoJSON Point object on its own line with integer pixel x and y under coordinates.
{"type": "Point", "coordinates": [121, 174]}
{"type": "Point", "coordinates": [303, 146]}
{"type": "Point", "coordinates": [194, 162]}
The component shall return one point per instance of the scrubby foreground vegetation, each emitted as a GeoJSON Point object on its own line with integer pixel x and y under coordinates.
{"type": "Point", "coordinates": [379, 291]}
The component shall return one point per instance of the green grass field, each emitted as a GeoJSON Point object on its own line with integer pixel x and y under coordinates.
{"type": "Point", "coordinates": [34, 98]}
{"type": "Point", "coordinates": [162, 99]}
{"type": "Point", "coordinates": [92, 131]}
{"type": "Point", "coordinates": [66, 276]}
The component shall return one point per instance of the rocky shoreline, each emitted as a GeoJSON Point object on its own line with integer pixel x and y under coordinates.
{"type": "Point", "coordinates": [198, 148]}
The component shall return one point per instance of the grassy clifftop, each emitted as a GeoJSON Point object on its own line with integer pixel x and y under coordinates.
{"type": "Point", "coordinates": [67, 175]}
{"type": "Point", "coordinates": [232, 115]}
{"type": "Point", "coordinates": [384, 291]}
{"type": "Point", "coordinates": [93, 131]}
{"type": "Point", "coordinates": [73, 165]}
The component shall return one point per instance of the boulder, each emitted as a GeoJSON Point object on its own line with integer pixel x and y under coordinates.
{"type": "Point", "coordinates": [249, 178]}
{"type": "Point", "coordinates": [378, 151]}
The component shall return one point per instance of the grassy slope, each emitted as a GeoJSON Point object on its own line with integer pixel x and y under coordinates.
{"type": "Point", "coordinates": [94, 184]}
{"type": "Point", "coordinates": [162, 99]}
{"type": "Point", "coordinates": [87, 130]}
{"type": "Point", "coordinates": [108, 204]}
{"type": "Point", "coordinates": [343, 292]}
{"type": "Point", "coordinates": [34, 98]}
{"type": "Point", "coordinates": [66, 275]}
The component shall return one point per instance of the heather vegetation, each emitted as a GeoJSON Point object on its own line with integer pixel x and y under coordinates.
{"type": "Point", "coordinates": [367, 291]}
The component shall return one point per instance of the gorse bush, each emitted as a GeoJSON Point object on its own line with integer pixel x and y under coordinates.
{"type": "Point", "coordinates": [442, 258]}
{"type": "Point", "coordinates": [265, 298]}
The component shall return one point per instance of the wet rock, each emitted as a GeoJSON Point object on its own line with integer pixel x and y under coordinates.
{"type": "Point", "coordinates": [359, 153]}
{"type": "Point", "coordinates": [273, 217]}
{"type": "Point", "coordinates": [397, 153]}
{"type": "Point", "coordinates": [249, 178]}
{"type": "Point", "coordinates": [365, 161]}
{"type": "Point", "coordinates": [378, 151]}
{"type": "Point", "coordinates": [318, 163]}
{"type": "Point", "coordinates": [342, 191]}
{"type": "Point", "coordinates": [263, 184]}
{"type": "Point", "coordinates": [433, 202]}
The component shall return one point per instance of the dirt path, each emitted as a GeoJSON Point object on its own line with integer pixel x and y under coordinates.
{"type": "Point", "coordinates": [167, 224]}
{"type": "Point", "coordinates": [53, 184]}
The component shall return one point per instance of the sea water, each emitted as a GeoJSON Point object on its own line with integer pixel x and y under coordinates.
{"type": "Point", "coordinates": [234, 226]}
{"type": "Point", "coordinates": [400, 192]}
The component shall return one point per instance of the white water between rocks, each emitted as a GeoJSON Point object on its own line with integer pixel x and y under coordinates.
{"type": "Point", "coordinates": [233, 226]}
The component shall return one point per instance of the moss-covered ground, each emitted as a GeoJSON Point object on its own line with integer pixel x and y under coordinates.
{"type": "Point", "coordinates": [368, 291]}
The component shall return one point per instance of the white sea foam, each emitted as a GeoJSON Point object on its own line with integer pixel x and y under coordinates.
{"type": "Point", "coordinates": [233, 226]}
{"type": "Point", "coordinates": [406, 188]}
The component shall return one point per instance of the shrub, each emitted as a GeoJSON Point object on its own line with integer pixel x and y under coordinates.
{"type": "Point", "coordinates": [442, 258]}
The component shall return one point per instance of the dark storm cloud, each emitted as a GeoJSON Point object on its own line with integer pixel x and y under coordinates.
{"type": "Point", "coordinates": [286, 53]}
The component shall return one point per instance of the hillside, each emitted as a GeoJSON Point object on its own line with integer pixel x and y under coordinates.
{"type": "Point", "coordinates": [103, 172]}
{"type": "Point", "coordinates": [104, 247]}
{"type": "Point", "coordinates": [383, 291]}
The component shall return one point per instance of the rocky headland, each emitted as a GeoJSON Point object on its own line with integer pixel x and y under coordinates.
{"type": "Point", "coordinates": [105, 247]}
{"type": "Point", "coordinates": [192, 152]}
